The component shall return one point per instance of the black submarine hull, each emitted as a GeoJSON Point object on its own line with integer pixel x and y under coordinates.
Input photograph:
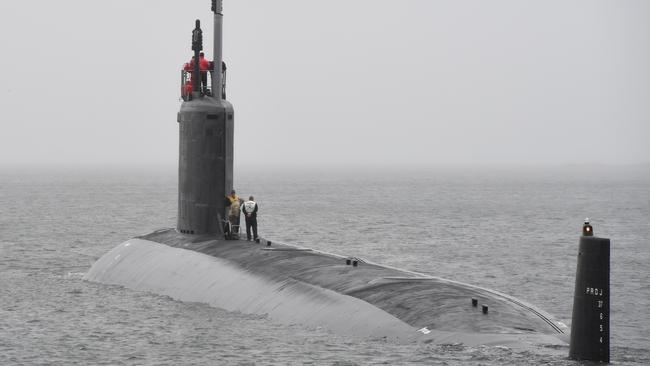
{"type": "Point", "coordinates": [297, 285]}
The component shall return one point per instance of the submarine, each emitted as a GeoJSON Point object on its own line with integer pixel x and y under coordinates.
{"type": "Point", "coordinates": [200, 261]}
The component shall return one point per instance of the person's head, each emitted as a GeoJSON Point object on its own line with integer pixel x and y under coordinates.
{"type": "Point", "coordinates": [201, 55]}
{"type": "Point", "coordinates": [251, 198]}
{"type": "Point", "coordinates": [232, 193]}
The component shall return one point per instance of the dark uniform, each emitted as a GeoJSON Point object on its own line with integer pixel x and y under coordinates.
{"type": "Point", "coordinates": [250, 211]}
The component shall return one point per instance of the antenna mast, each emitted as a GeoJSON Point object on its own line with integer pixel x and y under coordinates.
{"type": "Point", "coordinates": [217, 77]}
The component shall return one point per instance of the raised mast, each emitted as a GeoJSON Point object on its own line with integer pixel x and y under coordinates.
{"type": "Point", "coordinates": [217, 77]}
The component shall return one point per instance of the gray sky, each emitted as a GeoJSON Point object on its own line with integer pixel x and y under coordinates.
{"type": "Point", "coordinates": [333, 82]}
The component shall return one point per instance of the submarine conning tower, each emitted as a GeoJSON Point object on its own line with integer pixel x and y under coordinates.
{"type": "Point", "coordinates": [206, 130]}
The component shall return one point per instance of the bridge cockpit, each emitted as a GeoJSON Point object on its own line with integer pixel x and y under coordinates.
{"type": "Point", "coordinates": [204, 87]}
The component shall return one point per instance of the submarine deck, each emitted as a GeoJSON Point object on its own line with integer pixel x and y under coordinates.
{"type": "Point", "coordinates": [424, 302]}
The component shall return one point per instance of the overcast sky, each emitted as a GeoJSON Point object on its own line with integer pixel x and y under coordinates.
{"type": "Point", "coordinates": [333, 82]}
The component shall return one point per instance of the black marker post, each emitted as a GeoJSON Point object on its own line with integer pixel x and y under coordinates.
{"type": "Point", "coordinates": [590, 322]}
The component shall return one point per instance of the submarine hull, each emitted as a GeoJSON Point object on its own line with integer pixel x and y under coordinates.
{"type": "Point", "coordinates": [297, 285]}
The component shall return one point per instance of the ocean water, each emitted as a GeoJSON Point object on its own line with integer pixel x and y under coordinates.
{"type": "Point", "coordinates": [514, 230]}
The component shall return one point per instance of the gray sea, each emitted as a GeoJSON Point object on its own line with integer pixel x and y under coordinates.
{"type": "Point", "coordinates": [511, 229]}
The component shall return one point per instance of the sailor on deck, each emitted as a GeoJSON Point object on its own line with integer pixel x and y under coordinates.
{"type": "Point", "coordinates": [250, 212]}
{"type": "Point", "coordinates": [234, 203]}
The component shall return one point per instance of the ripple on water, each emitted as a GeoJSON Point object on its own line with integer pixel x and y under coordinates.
{"type": "Point", "coordinates": [460, 228]}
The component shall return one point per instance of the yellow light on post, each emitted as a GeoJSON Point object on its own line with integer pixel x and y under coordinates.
{"type": "Point", "coordinates": [587, 230]}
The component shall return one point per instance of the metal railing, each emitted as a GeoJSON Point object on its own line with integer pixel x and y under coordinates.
{"type": "Point", "coordinates": [205, 83]}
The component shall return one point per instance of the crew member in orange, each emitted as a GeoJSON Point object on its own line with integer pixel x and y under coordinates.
{"type": "Point", "coordinates": [186, 87]}
{"type": "Point", "coordinates": [204, 66]}
{"type": "Point", "coordinates": [186, 90]}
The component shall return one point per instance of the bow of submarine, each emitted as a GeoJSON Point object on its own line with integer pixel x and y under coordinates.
{"type": "Point", "coordinates": [304, 286]}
